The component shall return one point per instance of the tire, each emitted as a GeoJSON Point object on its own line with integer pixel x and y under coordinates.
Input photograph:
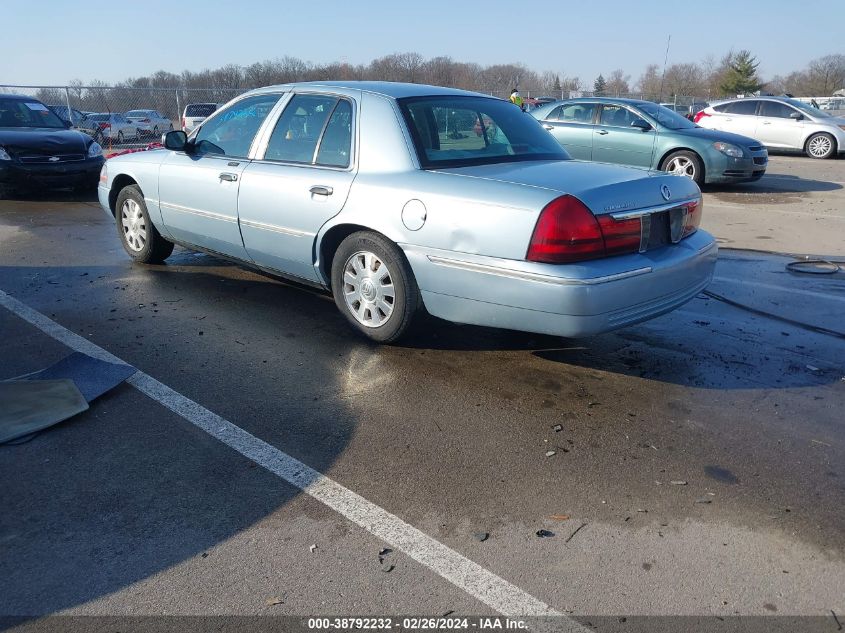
{"type": "Point", "coordinates": [141, 240]}
{"type": "Point", "coordinates": [820, 145]}
{"type": "Point", "coordinates": [369, 307]}
{"type": "Point", "coordinates": [155, 133]}
{"type": "Point", "coordinates": [120, 138]}
{"type": "Point", "coordinates": [684, 163]}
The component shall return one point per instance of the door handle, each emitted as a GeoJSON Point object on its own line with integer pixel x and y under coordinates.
{"type": "Point", "coordinates": [549, 127]}
{"type": "Point", "coordinates": [602, 132]}
{"type": "Point", "coordinates": [320, 190]}
{"type": "Point", "coordinates": [228, 177]}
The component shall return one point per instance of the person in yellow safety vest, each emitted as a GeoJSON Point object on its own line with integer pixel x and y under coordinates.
{"type": "Point", "coordinates": [517, 100]}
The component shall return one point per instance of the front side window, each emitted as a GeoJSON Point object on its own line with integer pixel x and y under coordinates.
{"type": "Point", "coordinates": [776, 110]}
{"type": "Point", "coordinates": [616, 116]}
{"type": "Point", "coordinates": [574, 113]}
{"type": "Point", "coordinates": [232, 131]}
{"type": "Point", "coordinates": [458, 131]}
{"type": "Point", "coordinates": [313, 129]}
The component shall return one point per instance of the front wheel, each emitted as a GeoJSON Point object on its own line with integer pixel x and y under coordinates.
{"type": "Point", "coordinates": [374, 287]}
{"type": "Point", "coordinates": [684, 163]}
{"type": "Point", "coordinates": [140, 239]}
{"type": "Point", "coordinates": [820, 146]}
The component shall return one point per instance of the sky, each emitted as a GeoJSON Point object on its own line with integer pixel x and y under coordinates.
{"type": "Point", "coordinates": [59, 40]}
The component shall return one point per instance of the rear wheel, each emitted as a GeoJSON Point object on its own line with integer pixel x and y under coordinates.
{"type": "Point", "coordinates": [374, 287]}
{"type": "Point", "coordinates": [820, 146]}
{"type": "Point", "coordinates": [140, 239]}
{"type": "Point", "coordinates": [684, 163]}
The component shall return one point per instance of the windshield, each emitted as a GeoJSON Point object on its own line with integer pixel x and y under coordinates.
{"type": "Point", "coordinates": [458, 131]}
{"type": "Point", "coordinates": [26, 113]}
{"type": "Point", "coordinates": [807, 108]}
{"type": "Point", "coordinates": [138, 113]}
{"type": "Point", "coordinates": [666, 117]}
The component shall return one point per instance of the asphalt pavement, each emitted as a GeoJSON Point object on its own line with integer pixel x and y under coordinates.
{"type": "Point", "coordinates": [689, 465]}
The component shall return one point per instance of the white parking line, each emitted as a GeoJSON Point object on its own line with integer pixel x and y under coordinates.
{"type": "Point", "coordinates": [465, 574]}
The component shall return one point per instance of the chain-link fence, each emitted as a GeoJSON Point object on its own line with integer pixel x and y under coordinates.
{"type": "Point", "coordinates": [126, 117]}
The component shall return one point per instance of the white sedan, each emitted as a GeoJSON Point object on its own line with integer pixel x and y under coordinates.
{"type": "Point", "coordinates": [150, 122]}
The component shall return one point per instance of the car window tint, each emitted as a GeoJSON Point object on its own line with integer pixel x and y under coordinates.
{"type": "Point", "coordinates": [576, 112]}
{"type": "Point", "coordinates": [199, 109]}
{"type": "Point", "coordinates": [616, 116]}
{"type": "Point", "coordinates": [336, 144]}
{"type": "Point", "coordinates": [553, 115]}
{"type": "Point", "coordinates": [458, 130]}
{"type": "Point", "coordinates": [741, 107]}
{"type": "Point", "coordinates": [299, 128]}
{"type": "Point", "coordinates": [776, 109]}
{"type": "Point", "coordinates": [231, 132]}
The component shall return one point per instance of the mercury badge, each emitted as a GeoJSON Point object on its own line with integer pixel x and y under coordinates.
{"type": "Point", "coordinates": [666, 192]}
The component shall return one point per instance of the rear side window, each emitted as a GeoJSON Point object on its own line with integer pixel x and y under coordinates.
{"type": "Point", "coordinates": [313, 129]}
{"type": "Point", "coordinates": [573, 113]}
{"type": "Point", "coordinates": [776, 109]}
{"type": "Point", "coordinates": [738, 107]}
{"type": "Point", "coordinates": [232, 131]}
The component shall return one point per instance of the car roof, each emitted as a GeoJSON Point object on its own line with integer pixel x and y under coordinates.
{"type": "Point", "coordinates": [395, 90]}
{"type": "Point", "coordinates": [761, 98]}
{"type": "Point", "coordinates": [18, 97]}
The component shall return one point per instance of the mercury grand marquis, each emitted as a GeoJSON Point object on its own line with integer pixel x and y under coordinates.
{"type": "Point", "coordinates": [402, 198]}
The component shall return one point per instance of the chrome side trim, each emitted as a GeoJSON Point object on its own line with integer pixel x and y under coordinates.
{"type": "Point", "coordinates": [636, 213]}
{"type": "Point", "coordinates": [199, 212]}
{"type": "Point", "coordinates": [276, 229]}
{"type": "Point", "coordinates": [707, 247]}
{"type": "Point", "coordinates": [528, 276]}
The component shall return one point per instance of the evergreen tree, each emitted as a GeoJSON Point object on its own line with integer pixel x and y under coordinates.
{"type": "Point", "coordinates": [741, 76]}
{"type": "Point", "coordinates": [599, 86]}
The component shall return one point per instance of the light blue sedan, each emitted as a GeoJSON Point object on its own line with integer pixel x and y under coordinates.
{"type": "Point", "coordinates": [399, 198]}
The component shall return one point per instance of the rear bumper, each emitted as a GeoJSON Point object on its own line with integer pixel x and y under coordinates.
{"type": "Point", "coordinates": [67, 174]}
{"type": "Point", "coordinates": [571, 300]}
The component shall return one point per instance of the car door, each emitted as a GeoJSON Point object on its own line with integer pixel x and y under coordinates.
{"type": "Point", "coordinates": [198, 191]}
{"type": "Point", "coordinates": [739, 117]}
{"type": "Point", "coordinates": [572, 126]}
{"type": "Point", "coordinates": [301, 180]}
{"type": "Point", "coordinates": [616, 141]}
{"type": "Point", "coordinates": [776, 128]}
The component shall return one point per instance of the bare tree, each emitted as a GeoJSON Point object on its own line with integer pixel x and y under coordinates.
{"type": "Point", "coordinates": [617, 83]}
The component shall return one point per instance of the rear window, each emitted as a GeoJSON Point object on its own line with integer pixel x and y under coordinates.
{"type": "Point", "coordinates": [200, 109]}
{"type": "Point", "coordinates": [98, 117]}
{"type": "Point", "coordinates": [456, 131]}
{"type": "Point", "coordinates": [138, 113]}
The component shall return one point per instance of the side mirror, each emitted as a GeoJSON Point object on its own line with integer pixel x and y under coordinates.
{"type": "Point", "coordinates": [175, 140]}
{"type": "Point", "coordinates": [641, 124]}
{"type": "Point", "coordinates": [796, 115]}
{"type": "Point", "coordinates": [68, 124]}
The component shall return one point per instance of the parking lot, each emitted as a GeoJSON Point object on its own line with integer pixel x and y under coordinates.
{"type": "Point", "coordinates": [266, 461]}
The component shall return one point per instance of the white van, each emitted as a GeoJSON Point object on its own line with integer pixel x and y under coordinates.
{"type": "Point", "coordinates": [195, 114]}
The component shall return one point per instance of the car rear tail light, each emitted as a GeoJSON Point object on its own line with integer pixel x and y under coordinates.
{"type": "Point", "coordinates": [183, 123]}
{"type": "Point", "coordinates": [567, 231]}
{"type": "Point", "coordinates": [700, 116]}
{"type": "Point", "coordinates": [693, 217]}
{"type": "Point", "coordinates": [103, 126]}
{"type": "Point", "coordinates": [620, 236]}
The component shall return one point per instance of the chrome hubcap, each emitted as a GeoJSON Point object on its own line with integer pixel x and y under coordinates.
{"type": "Point", "coordinates": [819, 146]}
{"type": "Point", "coordinates": [681, 166]}
{"type": "Point", "coordinates": [368, 289]}
{"type": "Point", "coordinates": [134, 225]}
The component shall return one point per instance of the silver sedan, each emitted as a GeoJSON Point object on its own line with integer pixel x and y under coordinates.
{"type": "Point", "coordinates": [399, 198]}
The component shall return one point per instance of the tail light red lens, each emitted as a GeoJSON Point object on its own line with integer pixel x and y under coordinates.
{"type": "Point", "coordinates": [103, 126]}
{"type": "Point", "coordinates": [183, 123]}
{"type": "Point", "coordinates": [693, 217]}
{"type": "Point", "coordinates": [620, 236]}
{"type": "Point", "coordinates": [145, 120]}
{"type": "Point", "coordinates": [566, 231]}
{"type": "Point", "coordinates": [700, 116]}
